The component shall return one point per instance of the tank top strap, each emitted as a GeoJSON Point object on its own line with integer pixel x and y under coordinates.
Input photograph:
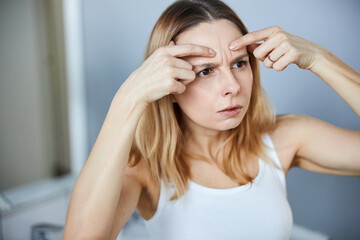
{"type": "Point", "coordinates": [164, 198]}
{"type": "Point", "coordinates": [271, 152]}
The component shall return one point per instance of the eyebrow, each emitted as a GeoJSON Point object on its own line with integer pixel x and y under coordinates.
{"type": "Point", "coordinates": [211, 65]}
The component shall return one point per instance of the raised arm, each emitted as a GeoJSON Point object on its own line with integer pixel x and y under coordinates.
{"type": "Point", "coordinates": [107, 191]}
{"type": "Point", "coordinates": [281, 48]}
{"type": "Point", "coordinates": [339, 76]}
{"type": "Point", "coordinates": [96, 193]}
{"type": "Point", "coordinates": [316, 145]}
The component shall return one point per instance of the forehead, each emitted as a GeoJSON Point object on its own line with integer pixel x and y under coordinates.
{"type": "Point", "coordinates": [217, 35]}
{"type": "Point", "coordinates": [221, 31]}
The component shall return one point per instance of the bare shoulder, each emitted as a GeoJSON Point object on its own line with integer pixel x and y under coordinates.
{"type": "Point", "coordinates": [287, 137]}
{"type": "Point", "coordinates": [140, 172]}
{"type": "Point", "coordinates": [150, 189]}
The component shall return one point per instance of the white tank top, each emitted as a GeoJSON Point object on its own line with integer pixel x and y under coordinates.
{"type": "Point", "coordinates": [260, 211]}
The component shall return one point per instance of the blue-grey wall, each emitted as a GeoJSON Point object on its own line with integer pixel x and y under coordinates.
{"type": "Point", "coordinates": [115, 36]}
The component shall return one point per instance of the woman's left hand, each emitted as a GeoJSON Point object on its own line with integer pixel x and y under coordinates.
{"type": "Point", "coordinates": [280, 48]}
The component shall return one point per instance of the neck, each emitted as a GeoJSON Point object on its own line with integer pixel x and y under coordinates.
{"type": "Point", "coordinates": [204, 141]}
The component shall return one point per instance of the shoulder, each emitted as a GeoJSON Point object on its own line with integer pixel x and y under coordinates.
{"type": "Point", "coordinates": [150, 188]}
{"type": "Point", "coordinates": [140, 172]}
{"type": "Point", "coordinates": [290, 122]}
{"type": "Point", "coordinates": [287, 136]}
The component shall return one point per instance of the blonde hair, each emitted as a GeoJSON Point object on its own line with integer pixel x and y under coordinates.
{"type": "Point", "coordinates": [159, 138]}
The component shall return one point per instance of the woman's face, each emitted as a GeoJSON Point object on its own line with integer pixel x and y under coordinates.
{"type": "Point", "coordinates": [227, 83]}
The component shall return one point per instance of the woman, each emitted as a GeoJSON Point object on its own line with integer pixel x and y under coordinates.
{"type": "Point", "coordinates": [192, 169]}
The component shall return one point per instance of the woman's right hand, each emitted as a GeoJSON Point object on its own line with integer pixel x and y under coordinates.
{"type": "Point", "coordinates": [163, 73]}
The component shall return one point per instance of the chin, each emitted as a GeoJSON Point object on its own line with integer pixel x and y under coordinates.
{"type": "Point", "coordinates": [229, 125]}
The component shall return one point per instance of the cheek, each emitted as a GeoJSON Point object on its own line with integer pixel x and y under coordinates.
{"type": "Point", "coordinates": [192, 96]}
{"type": "Point", "coordinates": [246, 80]}
{"type": "Point", "coordinates": [195, 103]}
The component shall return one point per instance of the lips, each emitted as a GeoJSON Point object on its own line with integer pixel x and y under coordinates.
{"type": "Point", "coordinates": [231, 108]}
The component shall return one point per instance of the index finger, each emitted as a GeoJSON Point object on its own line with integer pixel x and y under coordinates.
{"type": "Point", "coordinates": [253, 37]}
{"type": "Point", "coordinates": [183, 50]}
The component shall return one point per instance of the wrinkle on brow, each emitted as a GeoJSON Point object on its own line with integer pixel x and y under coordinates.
{"type": "Point", "coordinates": [215, 64]}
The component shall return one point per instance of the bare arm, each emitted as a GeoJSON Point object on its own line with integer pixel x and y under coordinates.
{"type": "Point", "coordinates": [318, 146]}
{"type": "Point", "coordinates": [107, 191]}
{"type": "Point", "coordinates": [281, 48]}
{"type": "Point", "coordinates": [96, 193]}
{"type": "Point", "coordinates": [329, 149]}
{"type": "Point", "coordinates": [342, 78]}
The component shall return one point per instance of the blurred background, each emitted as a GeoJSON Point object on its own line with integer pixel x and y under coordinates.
{"type": "Point", "coordinates": [62, 61]}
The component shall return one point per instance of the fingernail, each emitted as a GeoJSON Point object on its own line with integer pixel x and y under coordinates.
{"type": "Point", "coordinates": [233, 46]}
{"type": "Point", "coordinates": [212, 52]}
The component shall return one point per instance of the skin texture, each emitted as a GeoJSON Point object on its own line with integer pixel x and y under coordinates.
{"type": "Point", "coordinates": [226, 84]}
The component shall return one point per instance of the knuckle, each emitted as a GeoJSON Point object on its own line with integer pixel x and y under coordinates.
{"type": "Point", "coordinates": [169, 86]}
{"type": "Point", "coordinates": [174, 87]}
{"type": "Point", "coordinates": [267, 63]}
{"type": "Point", "coordinates": [169, 71]}
{"type": "Point", "coordinates": [182, 88]}
{"type": "Point", "coordinates": [276, 28]}
{"type": "Point", "coordinates": [294, 55]}
{"type": "Point", "coordinates": [185, 64]}
{"type": "Point", "coordinates": [256, 53]}
{"type": "Point", "coordinates": [297, 55]}
{"type": "Point", "coordinates": [285, 44]}
{"type": "Point", "coordinates": [172, 84]}
{"type": "Point", "coordinates": [160, 51]}
{"type": "Point", "coordinates": [293, 52]}
{"type": "Point", "coordinates": [165, 61]}
{"type": "Point", "coordinates": [282, 35]}
{"type": "Point", "coordinates": [277, 67]}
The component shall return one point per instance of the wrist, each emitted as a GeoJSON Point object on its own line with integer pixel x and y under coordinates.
{"type": "Point", "coordinates": [126, 96]}
{"type": "Point", "coordinates": [126, 108]}
{"type": "Point", "coordinates": [128, 100]}
{"type": "Point", "coordinates": [321, 61]}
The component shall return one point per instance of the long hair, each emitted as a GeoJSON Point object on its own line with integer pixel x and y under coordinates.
{"type": "Point", "coordinates": [159, 139]}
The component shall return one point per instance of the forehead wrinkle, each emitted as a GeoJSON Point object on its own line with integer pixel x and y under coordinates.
{"type": "Point", "coordinates": [216, 64]}
{"type": "Point", "coordinates": [216, 35]}
{"type": "Point", "coordinates": [221, 56]}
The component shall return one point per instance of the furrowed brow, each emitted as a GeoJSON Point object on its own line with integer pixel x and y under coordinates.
{"type": "Point", "coordinates": [211, 65]}
{"type": "Point", "coordinates": [239, 58]}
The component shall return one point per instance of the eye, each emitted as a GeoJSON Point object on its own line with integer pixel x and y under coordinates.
{"type": "Point", "coordinates": [240, 64]}
{"type": "Point", "coordinates": [204, 72]}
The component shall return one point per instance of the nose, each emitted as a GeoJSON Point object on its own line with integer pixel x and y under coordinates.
{"type": "Point", "coordinates": [229, 84]}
